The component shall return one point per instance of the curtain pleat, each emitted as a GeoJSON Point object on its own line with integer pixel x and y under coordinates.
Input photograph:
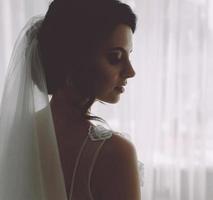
{"type": "Point", "coordinates": [167, 108]}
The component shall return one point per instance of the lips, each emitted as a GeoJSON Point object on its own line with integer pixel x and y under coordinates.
{"type": "Point", "coordinates": [120, 89]}
{"type": "Point", "coordinates": [123, 84]}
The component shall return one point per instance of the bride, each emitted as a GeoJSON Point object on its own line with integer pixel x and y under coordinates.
{"type": "Point", "coordinates": [78, 53]}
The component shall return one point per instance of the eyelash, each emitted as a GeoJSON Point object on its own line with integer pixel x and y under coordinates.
{"type": "Point", "coordinates": [114, 58]}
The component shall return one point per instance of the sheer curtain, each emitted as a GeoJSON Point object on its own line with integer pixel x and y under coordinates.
{"type": "Point", "coordinates": [166, 109]}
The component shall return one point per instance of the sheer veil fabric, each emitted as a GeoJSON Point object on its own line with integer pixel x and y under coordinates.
{"type": "Point", "coordinates": [30, 165]}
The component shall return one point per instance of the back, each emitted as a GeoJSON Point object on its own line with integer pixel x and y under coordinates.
{"type": "Point", "coordinates": [116, 173]}
{"type": "Point", "coordinates": [106, 168]}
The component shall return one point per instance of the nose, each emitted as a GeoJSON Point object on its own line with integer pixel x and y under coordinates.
{"type": "Point", "coordinates": [129, 71]}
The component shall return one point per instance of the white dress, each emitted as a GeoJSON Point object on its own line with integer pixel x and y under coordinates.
{"type": "Point", "coordinates": [85, 162]}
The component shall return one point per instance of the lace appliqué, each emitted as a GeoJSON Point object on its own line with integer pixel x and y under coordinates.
{"type": "Point", "coordinates": [141, 172]}
{"type": "Point", "coordinates": [140, 164]}
{"type": "Point", "coordinates": [99, 133]}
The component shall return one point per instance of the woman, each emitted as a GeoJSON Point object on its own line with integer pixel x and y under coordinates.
{"type": "Point", "coordinates": [83, 50]}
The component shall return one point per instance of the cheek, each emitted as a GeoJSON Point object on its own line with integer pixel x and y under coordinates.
{"type": "Point", "coordinates": [107, 77]}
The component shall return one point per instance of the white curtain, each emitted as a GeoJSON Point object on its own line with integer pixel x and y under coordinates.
{"type": "Point", "coordinates": [167, 108]}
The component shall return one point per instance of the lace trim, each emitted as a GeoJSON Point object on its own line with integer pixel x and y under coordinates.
{"type": "Point", "coordinates": [141, 173]}
{"type": "Point", "coordinates": [98, 132]}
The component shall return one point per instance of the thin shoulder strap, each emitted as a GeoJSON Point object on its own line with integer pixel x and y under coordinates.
{"type": "Point", "coordinates": [80, 186]}
{"type": "Point", "coordinates": [76, 166]}
{"type": "Point", "coordinates": [92, 167]}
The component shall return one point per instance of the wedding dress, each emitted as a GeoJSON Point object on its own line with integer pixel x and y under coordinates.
{"type": "Point", "coordinates": [30, 166]}
{"type": "Point", "coordinates": [86, 160]}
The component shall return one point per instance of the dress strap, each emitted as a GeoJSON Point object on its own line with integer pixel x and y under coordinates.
{"type": "Point", "coordinates": [85, 162]}
{"type": "Point", "coordinates": [98, 132]}
{"type": "Point", "coordinates": [76, 166]}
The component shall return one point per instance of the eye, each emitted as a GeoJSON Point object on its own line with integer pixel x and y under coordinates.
{"type": "Point", "coordinates": [114, 57]}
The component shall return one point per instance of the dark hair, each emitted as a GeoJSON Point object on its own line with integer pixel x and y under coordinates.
{"type": "Point", "coordinates": [71, 33]}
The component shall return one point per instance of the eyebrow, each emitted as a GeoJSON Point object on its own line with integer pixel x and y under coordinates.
{"type": "Point", "coordinates": [119, 49]}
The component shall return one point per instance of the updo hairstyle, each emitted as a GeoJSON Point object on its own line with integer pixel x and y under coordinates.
{"type": "Point", "coordinates": [70, 35]}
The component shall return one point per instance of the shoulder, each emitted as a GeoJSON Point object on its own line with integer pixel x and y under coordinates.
{"type": "Point", "coordinates": [118, 145]}
{"type": "Point", "coordinates": [119, 150]}
{"type": "Point", "coordinates": [115, 174]}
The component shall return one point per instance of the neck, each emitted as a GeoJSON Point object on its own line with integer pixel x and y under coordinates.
{"type": "Point", "coordinates": [64, 106]}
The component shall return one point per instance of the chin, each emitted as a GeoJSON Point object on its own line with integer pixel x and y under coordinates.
{"type": "Point", "coordinates": [110, 97]}
{"type": "Point", "coordinates": [111, 100]}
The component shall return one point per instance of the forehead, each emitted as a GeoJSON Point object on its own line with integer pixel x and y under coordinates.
{"type": "Point", "coordinates": [120, 37]}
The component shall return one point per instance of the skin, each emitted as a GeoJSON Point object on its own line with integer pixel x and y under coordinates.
{"type": "Point", "coordinates": [114, 64]}
{"type": "Point", "coordinates": [113, 68]}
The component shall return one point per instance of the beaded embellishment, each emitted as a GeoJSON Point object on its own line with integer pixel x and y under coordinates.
{"type": "Point", "coordinates": [99, 133]}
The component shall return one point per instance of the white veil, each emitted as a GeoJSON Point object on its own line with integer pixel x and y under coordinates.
{"type": "Point", "coordinates": [30, 167]}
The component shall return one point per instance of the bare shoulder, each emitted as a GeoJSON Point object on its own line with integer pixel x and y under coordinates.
{"type": "Point", "coordinates": [115, 175]}
{"type": "Point", "coordinates": [118, 146]}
